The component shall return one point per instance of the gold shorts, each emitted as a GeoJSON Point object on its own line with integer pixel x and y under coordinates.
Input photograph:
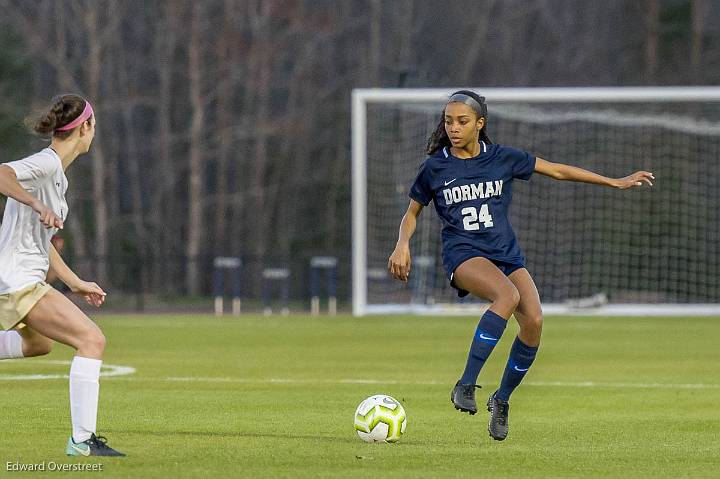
{"type": "Point", "coordinates": [15, 306]}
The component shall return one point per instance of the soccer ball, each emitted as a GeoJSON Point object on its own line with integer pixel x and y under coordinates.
{"type": "Point", "coordinates": [380, 418]}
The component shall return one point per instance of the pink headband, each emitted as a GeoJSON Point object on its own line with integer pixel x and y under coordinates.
{"type": "Point", "coordinates": [86, 113]}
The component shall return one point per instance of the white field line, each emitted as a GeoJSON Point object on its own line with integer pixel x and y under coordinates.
{"type": "Point", "coordinates": [583, 384]}
{"type": "Point", "coordinates": [112, 371]}
{"type": "Point", "coordinates": [106, 371]}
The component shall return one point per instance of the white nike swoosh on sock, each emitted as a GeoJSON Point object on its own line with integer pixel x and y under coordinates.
{"type": "Point", "coordinates": [520, 370]}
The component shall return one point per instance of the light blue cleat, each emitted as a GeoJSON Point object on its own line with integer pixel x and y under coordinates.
{"type": "Point", "coordinates": [95, 446]}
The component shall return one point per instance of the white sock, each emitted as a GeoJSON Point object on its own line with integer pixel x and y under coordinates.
{"type": "Point", "coordinates": [84, 393]}
{"type": "Point", "coordinates": [10, 345]}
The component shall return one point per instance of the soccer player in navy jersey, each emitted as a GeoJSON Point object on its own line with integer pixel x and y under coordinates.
{"type": "Point", "coordinates": [470, 179]}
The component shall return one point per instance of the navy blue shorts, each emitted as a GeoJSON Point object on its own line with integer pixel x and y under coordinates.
{"type": "Point", "coordinates": [505, 267]}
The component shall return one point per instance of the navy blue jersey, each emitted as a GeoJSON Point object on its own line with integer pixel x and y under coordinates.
{"type": "Point", "coordinates": [472, 197]}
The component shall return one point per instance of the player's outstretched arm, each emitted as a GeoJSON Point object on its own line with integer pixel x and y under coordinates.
{"type": "Point", "coordinates": [92, 292]}
{"type": "Point", "coordinates": [399, 261]}
{"type": "Point", "coordinates": [560, 171]}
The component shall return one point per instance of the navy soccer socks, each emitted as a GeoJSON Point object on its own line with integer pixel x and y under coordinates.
{"type": "Point", "coordinates": [488, 333]}
{"type": "Point", "coordinates": [520, 360]}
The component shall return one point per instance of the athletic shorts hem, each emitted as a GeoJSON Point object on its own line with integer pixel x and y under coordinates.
{"type": "Point", "coordinates": [15, 306]}
{"type": "Point", "coordinates": [506, 267]}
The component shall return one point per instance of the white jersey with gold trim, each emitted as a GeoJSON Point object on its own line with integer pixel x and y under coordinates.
{"type": "Point", "coordinates": [24, 241]}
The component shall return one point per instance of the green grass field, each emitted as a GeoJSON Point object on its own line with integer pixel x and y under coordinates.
{"type": "Point", "coordinates": [275, 397]}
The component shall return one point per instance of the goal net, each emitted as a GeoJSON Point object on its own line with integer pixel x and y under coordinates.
{"type": "Point", "coordinates": [590, 249]}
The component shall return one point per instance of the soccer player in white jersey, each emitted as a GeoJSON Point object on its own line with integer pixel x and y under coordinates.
{"type": "Point", "coordinates": [32, 313]}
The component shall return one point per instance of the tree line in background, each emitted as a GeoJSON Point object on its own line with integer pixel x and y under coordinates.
{"type": "Point", "coordinates": [223, 125]}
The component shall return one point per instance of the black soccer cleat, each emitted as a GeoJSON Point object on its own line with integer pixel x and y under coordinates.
{"type": "Point", "coordinates": [498, 425]}
{"type": "Point", "coordinates": [95, 446]}
{"type": "Point", "coordinates": [463, 397]}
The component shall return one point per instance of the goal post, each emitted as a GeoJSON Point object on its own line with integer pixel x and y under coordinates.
{"type": "Point", "coordinates": [590, 251]}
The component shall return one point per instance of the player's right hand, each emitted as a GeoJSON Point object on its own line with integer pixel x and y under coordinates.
{"type": "Point", "coordinates": [399, 263]}
{"type": "Point", "coordinates": [47, 216]}
{"type": "Point", "coordinates": [94, 295]}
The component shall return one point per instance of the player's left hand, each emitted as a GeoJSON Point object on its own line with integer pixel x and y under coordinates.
{"type": "Point", "coordinates": [93, 294]}
{"type": "Point", "coordinates": [636, 179]}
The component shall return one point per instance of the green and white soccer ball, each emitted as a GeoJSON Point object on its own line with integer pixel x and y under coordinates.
{"type": "Point", "coordinates": [380, 418]}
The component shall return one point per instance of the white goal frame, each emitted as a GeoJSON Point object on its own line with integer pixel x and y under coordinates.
{"type": "Point", "coordinates": [363, 96]}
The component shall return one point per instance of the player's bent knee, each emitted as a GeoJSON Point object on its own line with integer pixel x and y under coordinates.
{"type": "Point", "coordinates": [537, 322]}
{"type": "Point", "coordinates": [533, 323]}
{"type": "Point", "coordinates": [94, 343]}
{"type": "Point", "coordinates": [100, 342]}
{"type": "Point", "coordinates": [506, 299]}
{"type": "Point", "coordinates": [511, 296]}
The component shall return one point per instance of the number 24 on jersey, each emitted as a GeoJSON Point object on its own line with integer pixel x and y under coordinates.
{"type": "Point", "coordinates": [472, 217]}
